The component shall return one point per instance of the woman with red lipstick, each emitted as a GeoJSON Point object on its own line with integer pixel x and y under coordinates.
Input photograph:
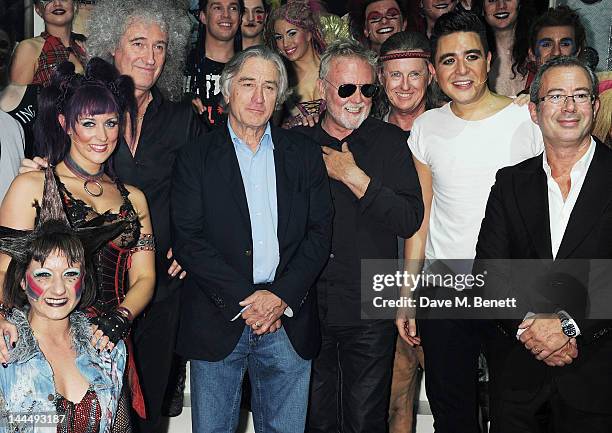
{"type": "Point", "coordinates": [293, 30]}
{"type": "Point", "coordinates": [80, 120]}
{"type": "Point", "coordinates": [35, 59]}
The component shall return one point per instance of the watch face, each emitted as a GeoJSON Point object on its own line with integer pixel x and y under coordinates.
{"type": "Point", "coordinates": [569, 329]}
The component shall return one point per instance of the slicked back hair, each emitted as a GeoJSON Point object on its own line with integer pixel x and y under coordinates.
{"type": "Point", "coordinates": [458, 21]}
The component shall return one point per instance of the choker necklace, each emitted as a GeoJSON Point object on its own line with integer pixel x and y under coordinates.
{"type": "Point", "coordinates": [88, 178]}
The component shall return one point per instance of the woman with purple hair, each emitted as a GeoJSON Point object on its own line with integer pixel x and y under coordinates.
{"type": "Point", "coordinates": [80, 120]}
{"type": "Point", "coordinates": [294, 31]}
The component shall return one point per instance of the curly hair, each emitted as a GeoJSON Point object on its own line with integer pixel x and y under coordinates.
{"type": "Point", "coordinates": [300, 13]}
{"type": "Point", "coordinates": [112, 18]}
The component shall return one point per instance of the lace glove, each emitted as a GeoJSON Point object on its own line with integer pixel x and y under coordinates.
{"type": "Point", "coordinates": [114, 324]}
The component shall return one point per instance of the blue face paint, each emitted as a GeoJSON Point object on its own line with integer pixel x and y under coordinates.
{"type": "Point", "coordinates": [73, 275]}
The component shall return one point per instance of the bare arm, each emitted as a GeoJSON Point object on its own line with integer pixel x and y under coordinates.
{"type": "Point", "coordinates": [142, 271]}
{"type": "Point", "coordinates": [414, 254]}
{"type": "Point", "coordinates": [23, 66]}
{"type": "Point", "coordinates": [17, 212]}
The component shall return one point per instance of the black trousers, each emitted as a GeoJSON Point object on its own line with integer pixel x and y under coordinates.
{"type": "Point", "coordinates": [351, 378]}
{"type": "Point", "coordinates": [545, 413]}
{"type": "Point", "coordinates": [451, 349]}
{"type": "Point", "coordinates": [154, 336]}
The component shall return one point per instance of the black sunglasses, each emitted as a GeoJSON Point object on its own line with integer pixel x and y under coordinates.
{"type": "Point", "coordinates": [346, 90]}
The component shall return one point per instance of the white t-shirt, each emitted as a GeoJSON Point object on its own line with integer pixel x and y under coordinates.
{"type": "Point", "coordinates": [11, 151]}
{"type": "Point", "coordinates": [464, 156]}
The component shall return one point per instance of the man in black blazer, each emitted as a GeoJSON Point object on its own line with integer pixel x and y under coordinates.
{"type": "Point", "coordinates": [550, 358]}
{"type": "Point", "coordinates": [252, 219]}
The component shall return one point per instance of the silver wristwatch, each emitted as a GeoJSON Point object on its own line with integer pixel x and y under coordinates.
{"type": "Point", "coordinates": [568, 326]}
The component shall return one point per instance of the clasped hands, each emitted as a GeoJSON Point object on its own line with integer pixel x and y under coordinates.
{"type": "Point", "coordinates": [545, 339]}
{"type": "Point", "coordinates": [264, 311]}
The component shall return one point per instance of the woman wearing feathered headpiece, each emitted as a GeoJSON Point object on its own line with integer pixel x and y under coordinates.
{"type": "Point", "coordinates": [80, 120]}
{"type": "Point", "coordinates": [54, 377]}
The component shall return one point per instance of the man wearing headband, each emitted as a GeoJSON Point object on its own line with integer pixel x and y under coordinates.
{"type": "Point", "coordinates": [457, 150]}
{"type": "Point", "coordinates": [376, 198]}
{"type": "Point", "coordinates": [405, 73]}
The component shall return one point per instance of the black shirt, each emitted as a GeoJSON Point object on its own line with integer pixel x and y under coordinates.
{"type": "Point", "coordinates": [25, 114]}
{"type": "Point", "coordinates": [203, 80]}
{"type": "Point", "coordinates": [166, 128]}
{"type": "Point", "coordinates": [367, 228]}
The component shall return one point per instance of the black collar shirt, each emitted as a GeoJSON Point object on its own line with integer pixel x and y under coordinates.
{"type": "Point", "coordinates": [166, 128]}
{"type": "Point", "coordinates": [367, 228]}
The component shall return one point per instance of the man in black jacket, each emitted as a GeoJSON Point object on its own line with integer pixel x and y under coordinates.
{"type": "Point", "coordinates": [554, 209]}
{"type": "Point", "coordinates": [252, 215]}
{"type": "Point", "coordinates": [377, 197]}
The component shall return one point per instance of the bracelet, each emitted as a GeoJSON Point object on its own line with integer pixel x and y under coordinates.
{"type": "Point", "coordinates": [146, 242]}
{"type": "Point", "coordinates": [125, 312]}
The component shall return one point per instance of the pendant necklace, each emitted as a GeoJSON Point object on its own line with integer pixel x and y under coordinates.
{"type": "Point", "coordinates": [87, 177]}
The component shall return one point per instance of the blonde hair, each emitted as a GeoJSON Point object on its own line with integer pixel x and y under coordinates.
{"type": "Point", "coordinates": [603, 121]}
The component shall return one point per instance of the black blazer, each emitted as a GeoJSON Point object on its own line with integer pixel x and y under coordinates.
{"type": "Point", "coordinates": [213, 241]}
{"type": "Point", "coordinates": [516, 226]}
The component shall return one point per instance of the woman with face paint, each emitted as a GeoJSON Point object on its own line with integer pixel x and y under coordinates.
{"type": "Point", "coordinates": [54, 377]}
{"type": "Point", "coordinates": [293, 30]}
{"type": "Point", "coordinates": [35, 59]}
{"type": "Point", "coordinates": [80, 120]}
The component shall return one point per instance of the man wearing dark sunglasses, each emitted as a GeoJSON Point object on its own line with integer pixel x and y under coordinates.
{"type": "Point", "coordinates": [376, 198]}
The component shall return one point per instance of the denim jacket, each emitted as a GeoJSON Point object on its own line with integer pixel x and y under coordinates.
{"type": "Point", "coordinates": [27, 390]}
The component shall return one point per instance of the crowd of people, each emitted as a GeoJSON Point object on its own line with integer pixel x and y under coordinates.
{"type": "Point", "coordinates": [223, 203]}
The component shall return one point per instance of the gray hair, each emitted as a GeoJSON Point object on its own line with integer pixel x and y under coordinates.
{"type": "Point", "coordinates": [346, 48]}
{"type": "Point", "coordinates": [112, 18]}
{"type": "Point", "coordinates": [561, 62]}
{"type": "Point", "coordinates": [235, 64]}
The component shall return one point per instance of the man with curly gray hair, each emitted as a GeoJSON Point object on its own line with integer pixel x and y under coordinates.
{"type": "Point", "coordinates": [147, 40]}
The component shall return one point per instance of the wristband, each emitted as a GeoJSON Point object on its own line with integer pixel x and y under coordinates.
{"type": "Point", "coordinates": [126, 313]}
{"type": "Point", "coordinates": [113, 324]}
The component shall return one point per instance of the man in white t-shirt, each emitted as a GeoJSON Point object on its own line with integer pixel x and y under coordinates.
{"type": "Point", "coordinates": [457, 150]}
{"type": "Point", "coordinates": [11, 151]}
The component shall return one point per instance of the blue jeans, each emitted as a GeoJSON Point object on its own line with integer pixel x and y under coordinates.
{"type": "Point", "coordinates": [279, 381]}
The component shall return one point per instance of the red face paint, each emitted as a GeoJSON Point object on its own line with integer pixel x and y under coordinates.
{"type": "Point", "coordinates": [259, 18]}
{"type": "Point", "coordinates": [375, 16]}
{"type": "Point", "coordinates": [33, 289]}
